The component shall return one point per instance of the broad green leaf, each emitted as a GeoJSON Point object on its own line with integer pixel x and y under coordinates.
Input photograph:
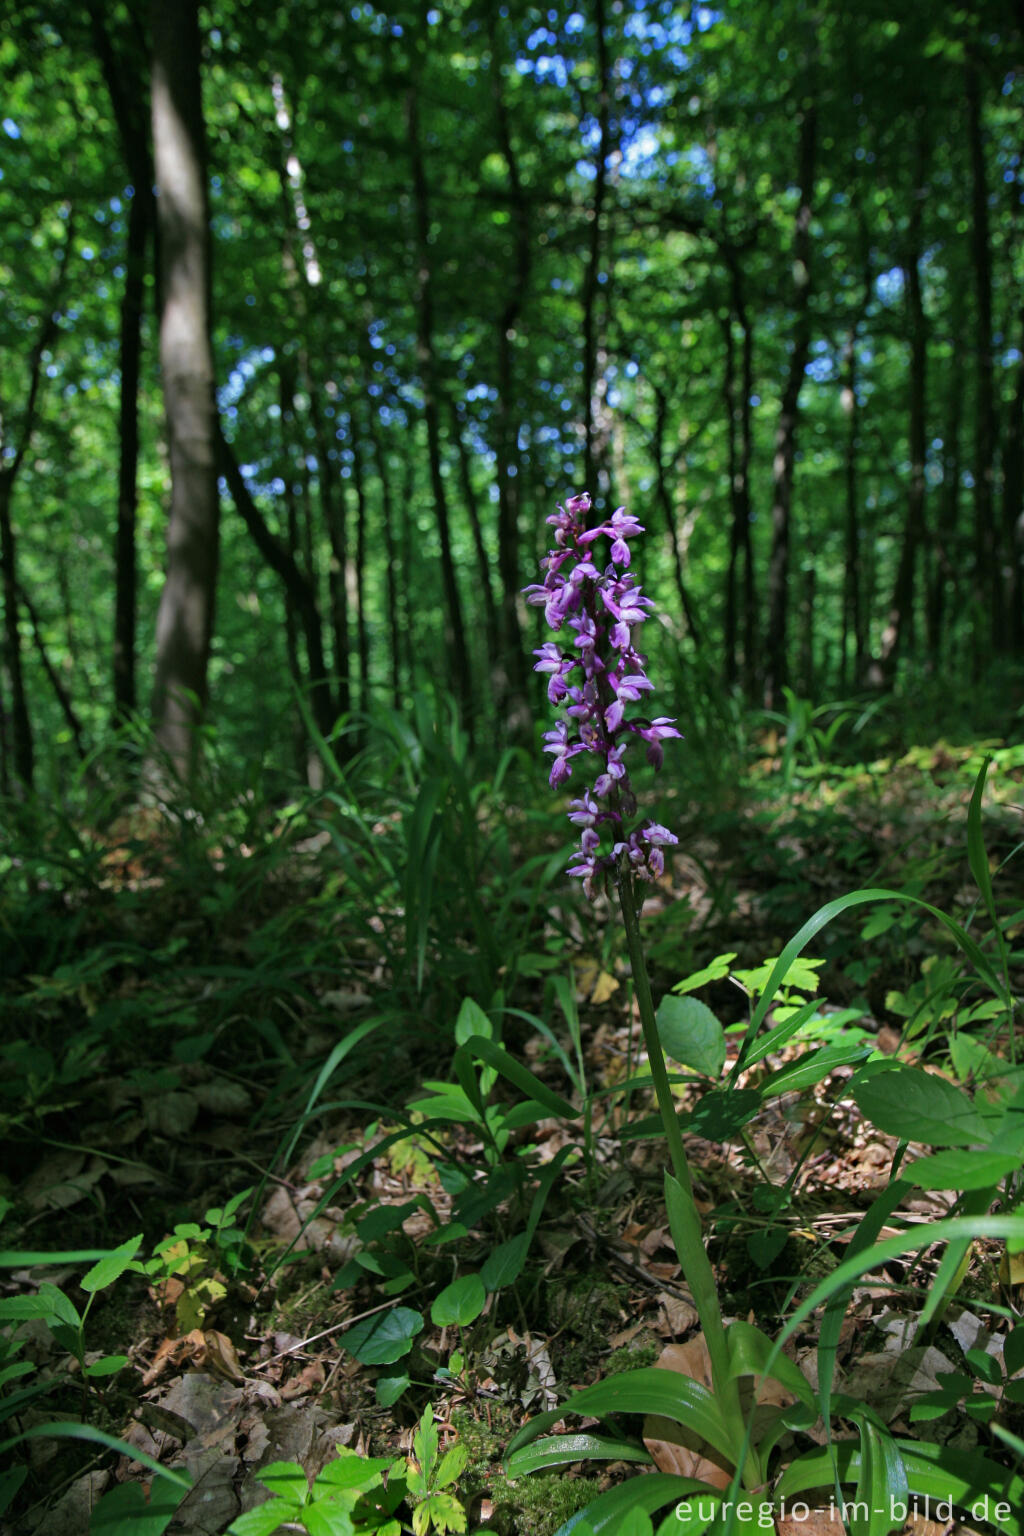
{"type": "Point", "coordinates": [562, 1450]}
{"type": "Point", "coordinates": [918, 1106]}
{"type": "Point", "coordinates": [962, 1169]}
{"type": "Point", "coordinates": [880, 1502]}
{"type": "Point", "coordinates": [646, 1493]}
{"type": "Point", "coordinates": [472, 1020]}
{"type": "Point", "coordinates": [265, 1519]}
{"type": "Point", "coordinates": [749, 1352]}
{"type": "Point", "coordinates": [112, 1267]}
{"type": "Point", "coordinates": [649, 1390]}
{"type": "Point", "coordinates": [108, 1366]}
{"type": "Point", "coordinates": [460, 1303]}
{"type": "Point", "coordinates": [691, 1035]}
{"type": "Point", "coordinates": [439, 1511]}
{"type": "Point", "coordinates": [390, 1386]}
{"type": "Point", "coordinates": [286, 1479]}
{"type": "Point", "coordinates": [383, 1339]}
{"type": "Point", "coordinates": [1013, 1350]}
{"type": "Point", "coordinates": [330, 1518]}
{"type": "Point", "coordinates": [722, 1113]}
{"type": "Point", "coordinates": [349, 1470]}
{"type": "Point", "coordinates": [504, 1263]}
{"type": "Point", "coordinates": [716, 971]}
{"type": "Point", "coordinates": [126, 1511]}
{"type": "Point", "coordinates": [453, 1464]}
{"type": "Point", "coordinates": [813, 1067]}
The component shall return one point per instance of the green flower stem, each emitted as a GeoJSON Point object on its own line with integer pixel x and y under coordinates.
{"type": "Point", "coordinates": [690, 1248]}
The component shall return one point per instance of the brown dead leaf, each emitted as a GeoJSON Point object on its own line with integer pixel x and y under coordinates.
{"type": "Point", "coordinates": [309, 1379]}
{"type": "Point", "coordinates": [673, 1448]}
{"type": "Point", "coordinates": [208, 1350]}
{"type": "Point", "coordinates": [675, 1316]}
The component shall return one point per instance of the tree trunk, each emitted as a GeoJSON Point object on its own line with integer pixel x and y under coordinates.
{"type": "Point", "coordinates": [785, 432]}
{"type": "Point", "coordinates": [125, 83]}
{"type": "Point", "coordinates": [854, 607]}
{"type": "Point", "coordinates": [22, 747]}
{"type": "Point", "coordinates": [592, 270]}
{"type": "Point", "coordinates": [454, 628]}
{"type": "Point", "coordinates": [1013, 503]}
{"type": "Point", "coordinates": [942, 579]}
{"type": "Point", "coordinates": [669, 513]}
{"type": "Point", "coordinates": [900, 624]}
{"type": "Point", "coordinates": [492, 630]}
{"type": "Point", "coordinates": [299, 589]}
{"type": "Point", "coordinates": [507, 658]}
{"type": "Point", "coordinates": [988, 593]}
{"type": "Point", "coordinates": [362, 628]}
{"type": "Point", "coordinates": [740, 450]}
{"type": "Point", "coordinates": [184, 625]}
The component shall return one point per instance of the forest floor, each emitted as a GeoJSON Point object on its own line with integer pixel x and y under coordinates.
{"type": "Point", "coordinates": [229, 1047]}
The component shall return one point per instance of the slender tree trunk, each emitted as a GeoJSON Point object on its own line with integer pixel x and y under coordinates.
{"type": "Point", "coordinates": [506, 651]}
{"type": "Point", "coordinates": [23, 749]}
{"type": "Point", "coordinates": [988, 593]}
{"type": "Point", "coordinates": [392, 586]}
{"type": "Point", "coordinates": [943, 573]}
{"type": "Point", "coordinates": [899, 628]}
{"type": "Point", "coordinates": [60, 693]}
{"type": "Point", "coordinates": [854, 608]}
{"type": "Point", "coordinates": [492, 631]}
{"type": "Point", "coordinates": [668, 511]}
{"type": "Point", "coordinates": [362, 627]}
{"type": "Point", "coordinates": [184, 625]}
{"type": "Point", "coordinates": [20, 725]}
{"type": "Point", "coordinates": [125, 81]}
{"type": "Point", "coordinates": [785, 434]}
{"type": "Point", "coordinates": [1013, 503]}
{"type": "Point", "coordinates": [299, 589]}
{"type": "Point", "coordinates": [455, 634]}
{"type": "Point", "coordinates": [592, 271]}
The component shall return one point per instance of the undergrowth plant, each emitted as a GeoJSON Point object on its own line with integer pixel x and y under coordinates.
{"type": "Point", "coordinates": [596, 680]}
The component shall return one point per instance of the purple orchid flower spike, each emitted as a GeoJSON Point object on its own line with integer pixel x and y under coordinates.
{"type": "Point", "coordinates": [596, 681]}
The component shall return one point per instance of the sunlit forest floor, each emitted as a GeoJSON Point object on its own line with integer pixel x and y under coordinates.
{"type": "Point", "coordinates": [231, 1033]}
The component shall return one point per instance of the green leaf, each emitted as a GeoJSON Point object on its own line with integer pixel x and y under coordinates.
{"type": "Point", "coordinates": [265, 1519]}
{"type": "Point", "coordinates": [645, 1493]}
{"type": "Point", "coordinates": [918, 1106]}
{"type": "Point", "coordinates": [390, 1386]}
{"type": "Point", "coordinates": [351, 1471]}
{"type": "Point", "coordinates": [813, 1067]}
{"type": "Point", "coordinates": [691, 1035]}
{"type": "Point", "coordinates": [520, 1077]}
{"type": "Point", "coordinates": [112, 1267]}
{"type": "Point", "coordinates": [453, 1464]}
{"type": "Point", "coordinates": [472, 1020]}
{"type": "Point", "coordinates": [505, 1263]}
{"type": "Point", "coordinates": [125, 1511]}
{"type": "Point", "coordinates": [383, 1339]}
{"type": "Point", "coordinates": [722, 1113]}
{"type": "Point", "coordinates": [328, 1519]}
{"type": "Point", "coordinates": [716, 971]}
{"type": "Point", "coordinates": [749, 1353]}
{"type": "Point", "coordinates": [985, 1366]}
{"type": "Point", "coordinates": [962, 1170]}
{"type": "Point", "coordinates": [424, 1444]}
{"type": "Point", "coordinates": [649, 1390]}
{"type": "Point", "coordinates": [1013, 1350]}
{"type": "Point", "coordinates": [880, 1502]}
{"type": "Point", "coordinates": [10, 1482]}
{"type": "Point", "coordinates": [562, 1450]}
{"type": "Point", "coordinates": [71, 1430]}
{"type": "Point", "coordinates": [287, 1480]}
{"type": "Point", "coordinates": [108, 1366]}
{"type": "Point", "coordinates": [440, 1510]}
{"type": "Point", "coordinates": [460, 1303]}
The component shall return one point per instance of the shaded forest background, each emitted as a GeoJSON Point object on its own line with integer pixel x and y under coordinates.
{"type": "Point", "coordinates": [753, 271]}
